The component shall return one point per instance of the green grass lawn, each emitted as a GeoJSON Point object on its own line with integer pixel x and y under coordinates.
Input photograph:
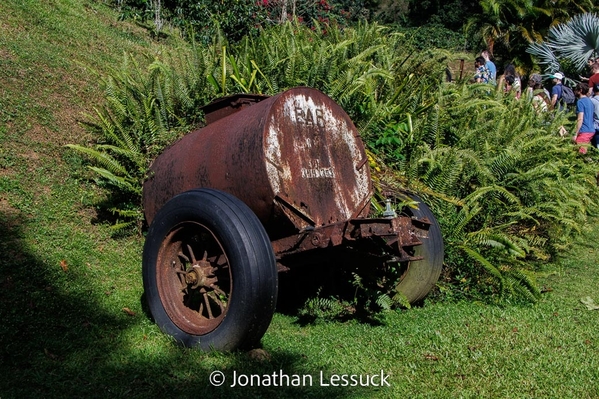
{"type": "Point", "coordinates": [73, 322]}
{"type": "Point", "coordinates": [83, 332]}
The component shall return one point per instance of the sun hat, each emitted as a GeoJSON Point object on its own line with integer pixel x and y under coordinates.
{"type": "Point", "coordinates": [535, 77]}
{"type": "Point", "coordinates": [557, 75]}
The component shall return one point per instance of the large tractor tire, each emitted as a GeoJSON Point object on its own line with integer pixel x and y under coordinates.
{"type": "Point", "coordinates": [209, 271]}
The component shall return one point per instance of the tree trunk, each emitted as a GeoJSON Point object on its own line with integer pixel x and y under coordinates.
{"type": "Point", "coordinates": [283, 11]}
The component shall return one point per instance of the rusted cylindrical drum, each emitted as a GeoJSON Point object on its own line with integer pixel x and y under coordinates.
{"type": "Point", "coordinates": [295, 159]}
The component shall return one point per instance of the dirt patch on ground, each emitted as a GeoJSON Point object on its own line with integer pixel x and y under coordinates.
{"type": "Point", "coordinates": [4, 172]}
{"type": "Point", "coordinates": [63, 109]}
{"type": "Point", "coordinates": [6, 55]}
{"type": "Point", "coordinates": [7, 212]}
{"type": "Point", "coordinates": [31, 156]}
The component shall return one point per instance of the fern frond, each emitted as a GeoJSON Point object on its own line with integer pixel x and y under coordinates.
{"type": "Point", "coordinates": [488, 266]}
{"type": "Point", "coordinates": [122, 183]}
{"type": "Point", "coordinates": [108, 162]}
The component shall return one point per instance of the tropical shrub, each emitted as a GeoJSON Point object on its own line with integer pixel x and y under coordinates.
{"type": "Point", "coordinates": [205, 20]}
{"type": "Point", "coordinates": [437, 36]}
{"type": "Point", "coordinates": [146, 109]}
{"type": "Point", "coordinates": [507, 189]}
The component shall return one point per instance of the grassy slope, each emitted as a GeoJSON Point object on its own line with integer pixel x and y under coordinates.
{"type": "Point", "coordinates": [64, 284]}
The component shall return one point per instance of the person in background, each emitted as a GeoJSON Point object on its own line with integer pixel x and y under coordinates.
{"type": "Point", "coordinates": [594, 79]}
{"type": "Point", "coordinates": [595, 100]}
{"type": "Point", "coordinates": [510, 75]}
{"type": "Point", "coordinates": [536, 79]}
{"type": "Point", "coordinates": [482, 73]}
{"type": "Point", "coordinates": [585, 125]}
{"type": "Point", "coordinates": [556, 90]}
{"type": "Point", "coordinates": [590, 62]}
{"type": "Point", "coordinates": [508, 84]}
{"type": "Point", "coordinates": [540, 96]}
{"type": "Point", "coordinates": [490, 66]}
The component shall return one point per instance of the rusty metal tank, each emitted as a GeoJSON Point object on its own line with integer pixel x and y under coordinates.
{"type": "Point", "coordinates": [296, 159]}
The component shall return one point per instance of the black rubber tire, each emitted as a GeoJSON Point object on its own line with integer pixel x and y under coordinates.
{"type": "Point", "coordinates": [422, 275]}
{"type": "Point", "coordinates": [211, 221]}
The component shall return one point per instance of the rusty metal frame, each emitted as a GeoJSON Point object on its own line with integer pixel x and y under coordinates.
{"type": "Point", "coordinates": [398, 234]}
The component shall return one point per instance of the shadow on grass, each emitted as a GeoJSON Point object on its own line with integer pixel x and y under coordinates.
{"type": "Point", "coordinates": [57, 343]}
{"type": "Point", "coordinates": [332, 285]}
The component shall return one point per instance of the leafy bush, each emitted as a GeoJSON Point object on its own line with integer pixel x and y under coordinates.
{"type": "Point", "coordinates": [145, 110]}
{"type": "Point", "coordinates": [506, 187]}
{"type": "Point", "coordinates": [206, 20]}
{"type": "Point", "coordinates": [437, 36]}
{"type": "Point", "coordinates": [570, 44]}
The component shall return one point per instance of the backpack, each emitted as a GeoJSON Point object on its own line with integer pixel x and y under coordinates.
{"type": "Point", "coordinates": [568, 95]}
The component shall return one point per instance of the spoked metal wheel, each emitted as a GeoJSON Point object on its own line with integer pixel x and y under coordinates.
{"type": "Point", "coordinates": [194, 278]}
{"type": "Point", "coordinates": [209, 271]}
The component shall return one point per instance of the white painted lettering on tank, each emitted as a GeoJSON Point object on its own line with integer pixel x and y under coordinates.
{"type": "Point", "coordinates": [314, 173]}
{"type": "Point", "coordinates": [309, 116]}
{"type": "Point", "coordinates": [324, 140]}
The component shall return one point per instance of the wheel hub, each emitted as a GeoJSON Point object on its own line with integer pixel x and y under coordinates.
{"type": "Point", "coordinates": [201, 274]}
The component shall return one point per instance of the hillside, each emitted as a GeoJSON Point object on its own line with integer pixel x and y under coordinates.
{"type": "Point", "coordinates": [60, 272]}
{"type": "Point", "coordinates": [52, 56]}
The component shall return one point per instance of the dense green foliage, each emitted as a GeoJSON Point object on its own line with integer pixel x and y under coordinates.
{"type": "Point", "coordinates": [505, 187]}
{"type": "Point", "coordinates": [521, 192]}
{"type": "Point", "coordinates": [203, 20]}
{"type": "Point", "coordinates": [506, 27]}
{"type": "Point", "coordinates": [144, 111]}
{"type": "Point", "coordinates": [436, 36]}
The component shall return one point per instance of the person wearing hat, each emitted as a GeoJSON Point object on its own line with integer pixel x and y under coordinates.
{"type": "Point", "coordinates": [556, 91]}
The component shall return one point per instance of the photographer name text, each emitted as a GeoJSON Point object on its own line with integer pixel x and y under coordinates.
{"type": "Point", "coordinates": [282, 379]}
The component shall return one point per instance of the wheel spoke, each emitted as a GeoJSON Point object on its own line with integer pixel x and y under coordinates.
{"type": "Point", "coordinates": [218, 290]}
{"type": "Point", "coordinates": [208, 307]}
{"type": "Point", "coordinates": [182, 255]}
{"type": "Point", "coordinates": [221, 262]}
{"type": "Point", "coordinates": [193, 258]}
{"type": "Point", "coordinates": [181, 273]}
{"type": "Point", "coordinates": [218, 301]}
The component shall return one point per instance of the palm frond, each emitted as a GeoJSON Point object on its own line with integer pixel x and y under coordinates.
{"type": "Point", "coordinates": [576, 40]}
